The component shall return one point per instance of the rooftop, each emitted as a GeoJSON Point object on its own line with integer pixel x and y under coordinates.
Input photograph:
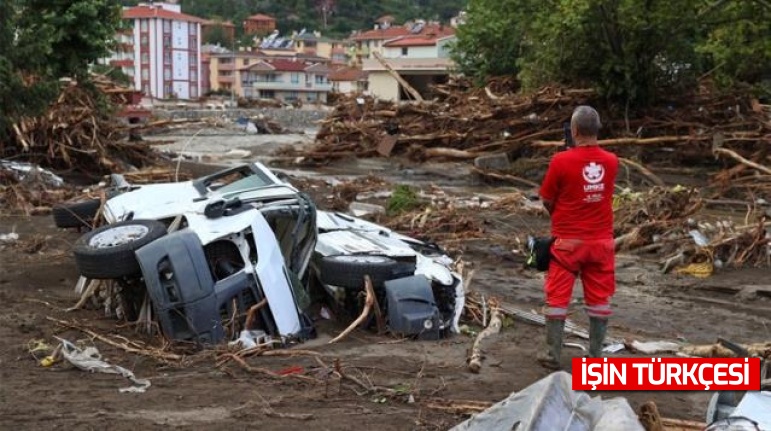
{"type": "Point", "coordinates": [144, 11]}
{"type": "Point", "coordinates": [260, 17]}
{"type": "Point", "coordinates": [409, 64]}
{"type": "Point", "coordinates": [427, 40]}
{"type": "Point", "coordinates": [348, 74]}
{"type": "Point", "coordinates": [438, 30]}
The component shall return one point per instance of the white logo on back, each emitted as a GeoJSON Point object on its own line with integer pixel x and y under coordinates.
{"type": "Point", "coordinates": [593, 173]}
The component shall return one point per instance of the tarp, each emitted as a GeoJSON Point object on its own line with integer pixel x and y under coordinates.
{"type": "Point", "coordinates": [550, 404]}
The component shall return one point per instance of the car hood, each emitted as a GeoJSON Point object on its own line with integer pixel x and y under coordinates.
{"type": "Point", "coordinates": [152, 201]}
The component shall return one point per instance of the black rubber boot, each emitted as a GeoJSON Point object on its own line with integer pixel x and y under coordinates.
{"type": "Point", "coordinates": [597, 329]}
{"type": "Point", "coordinates": [550, 358]}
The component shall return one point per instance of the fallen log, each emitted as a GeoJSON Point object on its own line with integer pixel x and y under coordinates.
{"type": "Point", "coordinates": [504, 177]}
{"type": "Point", "coordinates": [742, 160]}
{"type": "Point", "coordinates": [628, 141]}
{"type": "Point", "coordinates": [449, 153]}
{"type": "Point", "coordinates": [643, 170]}
{"type": "Point", "coordinates": [475, 360]}
{"type": "Point", "coordinates": [369, 303]}
{"type": "Point", "coordinates": [407, 87]}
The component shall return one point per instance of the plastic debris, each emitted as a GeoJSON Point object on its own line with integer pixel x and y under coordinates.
{"type": "Point", "coordinates": [9, 238]}
{"type": "Point", "coordinates": [89, 359]}
{"type": "Point", "coordinates": [251, 338]}
{"type": "Point", "coordinates": [653, 347]}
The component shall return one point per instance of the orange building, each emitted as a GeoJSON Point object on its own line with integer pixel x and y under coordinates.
{"type": "Point", "coordinates": [259, 25]}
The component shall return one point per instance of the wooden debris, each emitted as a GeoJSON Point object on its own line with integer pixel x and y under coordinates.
{"type": "Point", "coordinates": [717, 350]}
{"type": "Point", "coordinates": [475, 359]}
{"type": "Point", "coordinates": [456, 407]}
{"type": "Point", "coordinates": [369, 303]}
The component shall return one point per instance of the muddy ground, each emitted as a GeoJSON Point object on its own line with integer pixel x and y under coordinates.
{"type": "Point", "coordinates": [38, 276]}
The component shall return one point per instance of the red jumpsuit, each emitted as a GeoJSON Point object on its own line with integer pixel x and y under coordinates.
{"type": "Point", "coordinates": [580, 182]}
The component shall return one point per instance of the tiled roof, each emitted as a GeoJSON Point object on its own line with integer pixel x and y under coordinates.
{"type": "Point", "coordinates": [261, 17]}
{"type": "Point", "coordinates": [401, 31]}
{"type": "Point", "coordinates": [348, 74]}
{"type": "Point", "coordinates": [137, 12]}
{"type": "Point", "coordinates": [382, 34]}
{"type": "Point", "coordinates": [287, 65]}
{"type": "Point", "coordinates": [412, 41]}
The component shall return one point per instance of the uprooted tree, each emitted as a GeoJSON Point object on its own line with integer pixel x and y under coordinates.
{"type": "Point", "coordinates": [631, 51]}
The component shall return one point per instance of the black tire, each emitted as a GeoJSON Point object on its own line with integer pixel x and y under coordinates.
{"type": "Point", "coordinates": [117, 260]}
{"type": "Point", "coordinates": [348, 271]}
{"type": "Point", "coordinates": [78, 214]}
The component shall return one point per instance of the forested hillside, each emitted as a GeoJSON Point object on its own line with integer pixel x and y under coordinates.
{"type": "Point", "coordinates": [341, 16]}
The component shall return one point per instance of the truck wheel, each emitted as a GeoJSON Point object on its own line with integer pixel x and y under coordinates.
{"type": "Point", "coordinates": [349, 270]}
{"type": "Point", "coordinates": [78, 214]}
{"type": "Point", "coordinates": [108, 252]}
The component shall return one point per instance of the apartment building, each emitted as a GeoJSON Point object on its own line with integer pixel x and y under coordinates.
{"type": "Point", "coordinates": [163, 51]}
{"type": "Point", "coordinates": [286, 80]}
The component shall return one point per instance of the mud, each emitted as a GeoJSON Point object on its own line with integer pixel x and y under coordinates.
{"type": "Point", "coordinates": [38, 282]}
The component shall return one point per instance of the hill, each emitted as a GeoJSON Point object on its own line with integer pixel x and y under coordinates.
{"type": "Point", "coordinates": [341, 16]}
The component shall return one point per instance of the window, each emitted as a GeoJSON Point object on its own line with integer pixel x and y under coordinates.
{"type": "Point", "coordinates": [167, 89]}
{"type": "Point", "coordinates": [193, 58]}
{"type": "Point", "coordinates": [194, 75]}
{"type": "Point", "coordinates": [194, 91]}
{"type": "Point", "coordinates": [166, 26]}
{"type": "Point", "coordinates": [246, 62]}
{"type": "Point", "coordinates": [193, 41]}
{"type": "Point", "coordinates": [312, 97]}
{"type": "Point", "coordinates": [145, 74]}
{"type": "Point", "coordinates": [143, 25]}
{"type": "Point", "coordinates": [405, 51]}
{"type": "Point", "coordinates": [295, 78]}
{"type": "Point", "coordinates": [292, 95]}
{"type": "Point", "coordinates": [267, 94]}
{"type": "Point", "coordinates": [167, 73]}
{"type": "Point", "coordinates": [167, 58]}
{"type": "Point", "coordinates": [321, 79]}
{"type": "Point", "coordinates": [166, 40]}
{"type": "Point", "coordinates": [193, 28]}
{"type": "Point", "coordinates": [143, 40]}
{"type": "Point", "coordinates": [145, 58]}
{"type": "Point", "coordinates": [146, 89]}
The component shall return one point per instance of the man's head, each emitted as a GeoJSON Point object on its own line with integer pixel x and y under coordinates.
{"type": "Point", "coordinates": [585, 124]}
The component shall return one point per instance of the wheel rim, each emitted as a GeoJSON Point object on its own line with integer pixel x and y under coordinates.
{"type": "Point", "coordinates": [362, 259]}
{"type": "Point", "coordinates": [118, 236]}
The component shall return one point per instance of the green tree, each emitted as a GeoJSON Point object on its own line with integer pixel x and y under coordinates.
{"type": "Point", "coordinates": [738, 44]}
{"type": "Point", "coordinates": [44, 40]}
{"type": "Point", "coordinates": [217, 35]}
{"type": "Point", "coordinates": [492, 40]}
{"type": "Point", "coordinates": [627, 49]}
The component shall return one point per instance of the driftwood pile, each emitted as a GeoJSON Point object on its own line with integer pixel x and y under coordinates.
{"type": "Point", "coordinates": [76, 134]}
{"type": "Point", "coordinates": [724, 134]}
{"type": "Point", "coordinates": [461, 124]}
{"type": "Point", "coordinates": [671, 224]}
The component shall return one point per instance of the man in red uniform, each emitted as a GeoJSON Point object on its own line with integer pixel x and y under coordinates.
{"type": "Point", "coordinates": [578, 193]}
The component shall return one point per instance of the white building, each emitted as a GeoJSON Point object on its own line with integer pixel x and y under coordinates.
{"type": "Point", "coordinates": [163, 54]}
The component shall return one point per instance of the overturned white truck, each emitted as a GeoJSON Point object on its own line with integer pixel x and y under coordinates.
{"type": "Point", "coordinates": [206, 251]}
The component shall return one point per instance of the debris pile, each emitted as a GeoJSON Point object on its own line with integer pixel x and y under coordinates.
{"type": "Point", "coordinates": [76, 134]}
{"type": "Point", "coordinates": [461, 124]}
{"type": "Point", "coordinates": [726, 134]}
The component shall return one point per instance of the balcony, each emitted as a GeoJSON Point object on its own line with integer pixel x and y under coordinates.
{"type": "Point", "coordinates": [283, 85]}
{"type": "Point", "coordinates": [225, 79]}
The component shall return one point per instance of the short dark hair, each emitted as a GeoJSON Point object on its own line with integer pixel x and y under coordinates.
{"type": "Point", "coordinates": [585, 121]}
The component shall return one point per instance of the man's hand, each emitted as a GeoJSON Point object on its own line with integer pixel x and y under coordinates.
{"type": "Point", "coordinates": [549, 205]}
